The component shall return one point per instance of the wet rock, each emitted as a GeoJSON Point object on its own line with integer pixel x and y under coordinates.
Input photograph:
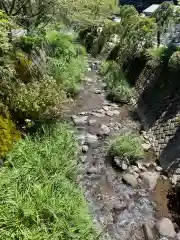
{"type": "Point", "coordinates": [148, 232]}
{"type": "Point", "coordinates": [159, 169]}
{"type": "Point", "coordinates": [109, 113]}
{"type": "Point", "coordinates": [175, 178]}
{"type": "Point", "coordinates": [83, 158]}
{"type": "Point", "coordinates": [104, 130]}
{"type": "Point", "coordinates": [133, 168]}
{"type": "Point", "coordinates": [106, 108]}
{"type": "Point", "coordinates": [92, 170]}
{"type": "Point", "coordinates": [130, 179]}
{"type": "Point", "coordinates": [149, 179]}
{"type": "Point", "coordinates": [85, 148]}
{"type": "Point", "coordinates": [146, 146]}
{"type": "Point", "coordinates": [97, 91]}
{"type": "Point", "coordinates": [91, 139]}
{"type": "Point", "coordinates": [92, 122]}
{"type": "Point", "coordinates": [80, 120]}
{"type": "Point", "coordinates": [165, 227]}
{"type": "Point", "coordinates": [116, 112]}
{"type": "Point", "coordinates": [81, 139]}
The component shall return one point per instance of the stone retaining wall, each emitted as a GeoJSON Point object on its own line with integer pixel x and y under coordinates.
{"type": "Point", "coordinates": [157, 100]}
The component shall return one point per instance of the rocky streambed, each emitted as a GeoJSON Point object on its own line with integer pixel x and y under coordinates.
{"type": "Point", "coordinates": [121, 198]}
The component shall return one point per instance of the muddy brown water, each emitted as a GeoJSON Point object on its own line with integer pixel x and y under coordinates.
{"type": "Point", "coordinates": [119, 210]}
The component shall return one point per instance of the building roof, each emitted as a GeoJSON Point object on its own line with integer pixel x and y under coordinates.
{"type": "Point", "coordinates": [151, 9]}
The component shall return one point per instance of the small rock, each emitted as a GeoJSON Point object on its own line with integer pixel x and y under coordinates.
{"type": "Point", "coordinates": [82, 113]}
{"type": "Point", "coordinates": [85, 148]}
{"type": "Point", "coordinates": [104, 130]}
{"type": "Point", "coordinates": [149, 179]}
{"type": "Point", "coordinates": [158, 169]}
{"type": "Point", "coordinates": [148, 232]}
{"type": "Point", "coordinates": [91, 139]}
{"type": "Point", "coordinates": [80, 120]}
{"type": "Point", "coordinates": [136, 175]}
{"type": "Point", "coordinates": [133, 168]}
{"type": "Point", "coordinates": [92, 122]}
{"type": "Point", "coordinates": [87, 79]}
{"type": "Point", "coordinates": [99, 115]}
{"type": "Point", "coordinates": [100, 111]}
{"type": "Point", "coordinates": [116, 112]}
{"type": "Point", "coordinates": [92, 170]}
{"type": "Point", "coordinates": [165, 227]}
{"type": "Point", "coordinates": [139, 165]}
{"type": "Point", "coordinates": [97, 91]}
{"type": "Point", "coordinates": [83, 158]}
{"type": "Point", "coordinates": [124, 165]}
{"type": "Point", "coordinates": [147, 165]}
{"type": "Point", "coordinates": [81, 139]}
{"type": "Point", "coordinates": [106, 108]}
{"type": "Point", "coordinates": [89, 69]}
{"type": "Point", "coordinates": [146, 146]}
{"type": "Point", "coordinates": [120, 163]}
{"type": "Point", "coordinates": [175, 178]}
{"type": "Point", "coordinates": [109, 113]}
{"type": "Point", "coordinates": [177, 171]}
{"type": "Point", "coordinates": [130, 179]}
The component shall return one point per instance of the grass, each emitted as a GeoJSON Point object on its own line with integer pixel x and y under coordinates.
{"type": "Point", "coordinates": [128, 146]}
{"type": "Point", "coordinates": [117, 86]}
{"type": "Point", "coordinates": [39, 197]}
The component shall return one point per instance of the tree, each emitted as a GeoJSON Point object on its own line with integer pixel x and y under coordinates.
{"type": "Point", "coordinates": [163, 15]}
{"type": "Point", "coordinates": [29, 13]}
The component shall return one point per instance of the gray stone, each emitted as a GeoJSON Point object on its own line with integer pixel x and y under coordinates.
{"type": "Point", "coordinates": [116, 112]}
{"type": "Point", "coordinates": [92, 122]}
{"type": "Point", "coordinates": [148, 232]}
{"type": "Point", "coordinates": [91, 139]}
{"type": "Point", "coordinates": [106, 108]}
{"type": "Point", "coordinates": [158, 169]}
{"type": "Point", "coordinates": [165, 227]}
{"type": "Point", "coordinates": [80, 120]}
{"type": "Point", "coordinates": [92, 170]}
{"type": "Point", "coordinates": [99, 115]}
{"type": "Point", "coordinates": [177, 171]}
{"type": "Point", "coordinates": [130, 179]}
{"type": "Point", "coordinates": [85, 148]}
{"type": "Point", "coordinates": [175, 178]}
{"type": "Point", "coordinates": [133, 168]}
{"type": "Point", "coordinates": [104, 130]}
{"type": "Point", "coordinates": [89, 69]}
{"type": "Point", "coordinates": [82, 113]}
{"type": "Point", "coordinates": [149, 179]}
{"type": "Point", "coordinates": [136, 175]}
{"type": "Point", "coordinates": [178, 236]}
{"type": "Point", "coordinates": [97, 91]}
{"type": "Point", "coordinates": [81, 139]}
{"type": "Point", "coordinates": [120, 163]}
{"type": "Point", "coordinates": [109, 113]}
{"type": "Point", "coordinates": [83, 158]}
{"type": "Point", "coordinates": [124, 165]}
{"type": "Point", "coordinates": [146, 146]}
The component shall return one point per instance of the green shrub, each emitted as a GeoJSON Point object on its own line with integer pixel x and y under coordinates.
{"type": "Point", "coordinates": [117, 85]}
{"type": "Point", "coordinates": [34, 100]}
{"type": "Point", "coordinates": [39, 199]}
{"type": "Point", "coordinates": [127, 146]}
{"type": "Point", "coordinates": [8, 134]}
{"type": "Point", "coordinates": [174, 61]}
{"type": "Point", "coordinates": [105, 65]}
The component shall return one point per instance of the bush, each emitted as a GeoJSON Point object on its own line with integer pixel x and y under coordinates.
{"type": "Point", "coordinates": [174, 61]}
{"type": "Point", "coordinates": [117, 85]}
{"type": "Point", "coordinates": [127, 146]}
{"type": "Point", "coordinates": [8, 134]}
{"type": "Point", "coordinates": [34, 100]}
{"type": "Point", "coordinates": [39, 199]}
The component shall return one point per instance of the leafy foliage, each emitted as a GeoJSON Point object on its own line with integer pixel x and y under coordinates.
{"type": "Point", "coordinates": [39, 199]}
{"type": "Point", "coordinates": [8, 134]}
{"type": "Point", "coordinates": [127, 146]}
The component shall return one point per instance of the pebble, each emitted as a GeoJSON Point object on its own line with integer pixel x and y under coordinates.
{"type": "Point", "coordinates": [106, 108]}
{"type": "Point", "coordinates": [85, 148]}
{"type": "Point", "coordinates": [80, 120]}
{"type": "Point", "coordinates": [109, 113]}
{"type": "Point", "coordinates": [83, 113]}
{"type": "Point", "coordinates": [83, 158]}
{"type": "Point", "coordinates": [116, 112]}
{"type": "Point", "coordinates": [81, 139]}
{"type": "Point", "coordinates": [104, 130]}
{"type": "Point", "coordinates": [165, 227]}
{"type": "Point", "coordinates": [130, 179]}
{"type": "Point", "coordinates": [97, 91]}
{"type": "Point", "coordinates": [91, 139]}
{"type": "Point", "coordinates": [99, 115]}
{"type": "Point", "coordinates": [159, 169]}
{"type": "Point", "coordinates": [92, 122]}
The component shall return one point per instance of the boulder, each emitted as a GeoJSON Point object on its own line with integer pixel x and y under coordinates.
{"type": "Point", "coordinates": [165, 227]}
{"type": "Point", "coordinates": [130, 179]}
{"type": "Point", "coordinates": [104, 130]}
{"type": "Point", "coordinates": [149, 179]}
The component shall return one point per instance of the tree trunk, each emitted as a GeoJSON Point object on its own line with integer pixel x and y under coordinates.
{"type": "Point", "coordinates": [158, 38]}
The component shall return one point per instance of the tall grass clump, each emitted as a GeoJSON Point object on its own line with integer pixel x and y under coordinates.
{"type": "Point", "coordinates": [127, 146]}
{"type": "Point", "coordinates": [39, 198]}
{"type": "Point", "coordinates": [117, 86]}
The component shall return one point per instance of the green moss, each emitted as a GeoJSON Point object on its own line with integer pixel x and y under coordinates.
{"type": "Point", "coordinates": [8, 135]}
